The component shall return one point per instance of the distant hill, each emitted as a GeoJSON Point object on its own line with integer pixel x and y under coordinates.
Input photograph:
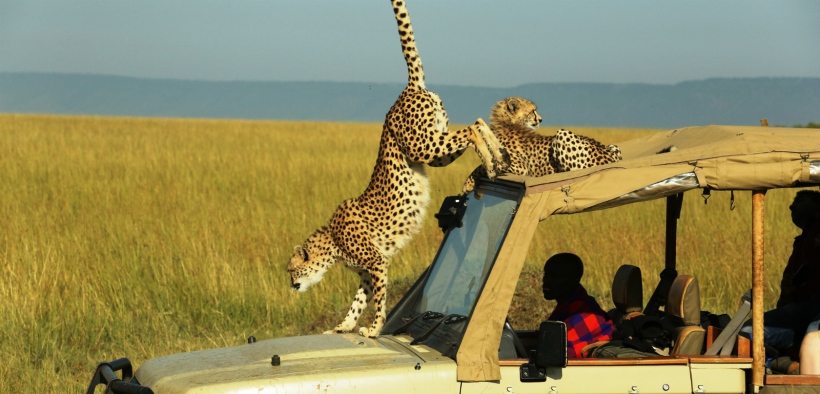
{"type": "Point", "coordinates": [741, 101]}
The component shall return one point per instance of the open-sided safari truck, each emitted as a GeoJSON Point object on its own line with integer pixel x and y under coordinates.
{"type": "Point", "coordinates": [449, 333]}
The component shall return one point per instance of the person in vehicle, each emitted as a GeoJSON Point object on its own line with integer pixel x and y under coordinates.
{"type": "Point", "coordinates": [795, 323]}
{"type": "Point", "coordinates": [586, 322]}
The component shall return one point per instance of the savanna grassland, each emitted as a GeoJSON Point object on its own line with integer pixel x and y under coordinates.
{"type": "Point", "coordinates": [136, 238]}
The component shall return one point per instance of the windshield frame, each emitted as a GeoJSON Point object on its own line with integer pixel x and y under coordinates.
{"type": "Point", "coordinates": [443, 331]}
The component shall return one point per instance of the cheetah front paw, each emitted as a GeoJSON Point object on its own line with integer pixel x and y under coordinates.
{"type": "Point", "coordinates": [369, 332]}
{"type": "Point", "coordinates": [489, 149]}
{"type": "Point", "coordinates": [478, 131]}
{"type": "Point", "coordinates": [495, 147]}
{"type": "Point", "coordinates": [469, 185]}
{"type": "Point", "coordinates": [506, 162]}
{"type": "Point", "coordinates": [342, 328]}
{"type": "Point", "coordinates": [490, 168]}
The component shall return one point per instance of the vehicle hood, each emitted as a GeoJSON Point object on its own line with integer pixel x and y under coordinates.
{"type": "Point", "coordinates": [306, 363]}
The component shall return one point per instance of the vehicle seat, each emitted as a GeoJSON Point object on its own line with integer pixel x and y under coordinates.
{"type": "Point", "coordinates": [627, 293]}
{"type": "Point", "coordinates": [511, 346]}
{"type": "Point", "coordinates": [683, 304]}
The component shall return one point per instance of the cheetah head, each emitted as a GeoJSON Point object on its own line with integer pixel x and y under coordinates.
{"type": "Point", "coordinates": [310, 261]}
{"type": "Point", "coordinates": [515, 112]}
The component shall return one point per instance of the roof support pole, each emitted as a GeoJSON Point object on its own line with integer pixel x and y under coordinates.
{"type": "Point", "coordinates": [758, 352]}
{"type": "Point", "coordinates": [673, 206]}
{"type": "Point", "coordinates": [669, 273]}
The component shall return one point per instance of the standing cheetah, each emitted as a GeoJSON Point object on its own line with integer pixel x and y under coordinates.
{"type": "Point", "coordinates": [366, 231]}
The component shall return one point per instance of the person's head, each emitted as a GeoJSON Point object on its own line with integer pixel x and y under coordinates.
{"type": "Point", "coordinates": [805, 207]}
{"type": "Point", "coordinates": [562, 274]}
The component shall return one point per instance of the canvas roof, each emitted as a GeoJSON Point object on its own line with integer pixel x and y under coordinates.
{"type": "Point", "coordinates": [714, 157]}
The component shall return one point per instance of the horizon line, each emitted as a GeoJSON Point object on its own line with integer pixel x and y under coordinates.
{"type": "Point", "coordinates": [226, 81]}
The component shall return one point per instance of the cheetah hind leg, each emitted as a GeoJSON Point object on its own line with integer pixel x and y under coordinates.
{"type": "Point", "coordinates": [379, 298]}
{"type": "Point", "coordinates": [360, 301]}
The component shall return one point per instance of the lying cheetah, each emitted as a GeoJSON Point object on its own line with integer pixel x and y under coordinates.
{"type": "Point", "coordinates": [366, 231]}
{"type": "Point", "coordinates": [514, 119]}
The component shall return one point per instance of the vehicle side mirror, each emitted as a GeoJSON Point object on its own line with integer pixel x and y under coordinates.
{"type": "Point", "coordinates": [451, 212]}
{"type": "Point", "coordinates": [551, 351]}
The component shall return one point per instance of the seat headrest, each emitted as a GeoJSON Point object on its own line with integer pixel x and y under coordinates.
{"type": "Point", "coordinates": [684, 300]}
{"type": "Point", "coordinates": [627, 289]}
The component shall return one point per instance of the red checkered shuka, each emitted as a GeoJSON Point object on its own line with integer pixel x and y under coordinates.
{"type": "Point", "coordinates": [586, 322]}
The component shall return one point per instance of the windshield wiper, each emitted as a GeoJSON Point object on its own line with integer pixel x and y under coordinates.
{"type": "Point", "coordinates": [426, 315]}
{"type": "Point", "coordinates": [449, 319]}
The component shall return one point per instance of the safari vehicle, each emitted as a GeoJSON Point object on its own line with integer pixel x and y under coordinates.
{"type": "Point", "coordinates": [449, 333]}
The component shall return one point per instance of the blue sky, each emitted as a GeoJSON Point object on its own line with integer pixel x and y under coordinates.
{"type": "Point", "coordinates": [462, 42]}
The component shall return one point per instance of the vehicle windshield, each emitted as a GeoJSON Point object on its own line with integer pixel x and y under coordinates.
{"type": "Point", "coordinates": [467, 254]}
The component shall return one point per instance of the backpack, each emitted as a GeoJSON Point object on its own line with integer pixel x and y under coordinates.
{"type": "Point", "coordinates": [648, 334]}
{"type": "Point", "coordinates": [617, 349]}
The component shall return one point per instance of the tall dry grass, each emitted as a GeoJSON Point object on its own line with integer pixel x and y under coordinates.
{"type": "Point", "coordinates": [144, 237]}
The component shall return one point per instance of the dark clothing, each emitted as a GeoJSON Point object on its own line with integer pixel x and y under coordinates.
{"type": "Point", "coordinates": [798, 308]}
{"type": "Point", "coordinates": [785, 326]}
{"type": "Point", "coordinates": [802, 273]}
{"type": "Point", "coordinates": [586, 322]}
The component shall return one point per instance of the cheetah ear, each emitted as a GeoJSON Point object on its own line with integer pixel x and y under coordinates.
{"type": "Point", "coordinates": [511, 107]}
{"type": "Point", "coordinates": [301, 252]}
